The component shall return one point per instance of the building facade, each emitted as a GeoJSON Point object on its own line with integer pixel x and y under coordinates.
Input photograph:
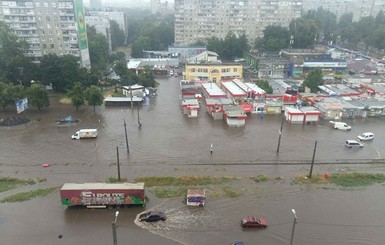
{"type": "Point", "coordinates": [118, 17]}
{"type": "Point", "coordinates": [102, 25]}
{"type": "Point", "coordinates": [212, 72]}
{"type": "Point", "coordinates": [201, 19]}
{"type": "Point", "coordinates": [55, 26]}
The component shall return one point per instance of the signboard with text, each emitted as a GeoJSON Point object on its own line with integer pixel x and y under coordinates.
{"type": "Point", "coordinates": [21, 105]}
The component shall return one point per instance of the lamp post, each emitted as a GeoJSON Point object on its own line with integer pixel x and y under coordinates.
{"type": "Point", "coordinates": [292, 231]}
{"type": "Point", "coordinates": [280, 134]}
{"type": "Point", "coordinates": [114, 228]}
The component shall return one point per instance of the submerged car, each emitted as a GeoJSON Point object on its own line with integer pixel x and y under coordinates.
{"type": "Point", "coordinates": [152, 216]}
{"type": "Point", "coordinates": [353, 144]}
{"type": "Point", "coordinates": [253, 222]}
{"type": "Point", "coordinates": [366, 136]}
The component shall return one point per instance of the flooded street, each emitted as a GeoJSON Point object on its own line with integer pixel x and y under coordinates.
{"type": "Point", "coordinates": [170, 144]}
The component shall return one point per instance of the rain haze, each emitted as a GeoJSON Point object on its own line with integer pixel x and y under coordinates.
{"type": "Point", "coordinates": [126, 3]}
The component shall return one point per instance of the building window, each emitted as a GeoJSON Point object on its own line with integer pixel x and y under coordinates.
{"type": "Point", "coordinates": [235, 69]}
{"type": "Point", "coordinates": [52, 46]}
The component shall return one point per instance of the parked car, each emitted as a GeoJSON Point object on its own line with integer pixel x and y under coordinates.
{"type": "Point", "coordinates": [253, 222]}
{"type": "Point", "coordinates": [366, 136]}
{"type": "Point", "coordinates": [152, 216]}
{"type": "Point", "coordinates": [353, 144]}
{"type": "Point", "coordinates": [239, 243]}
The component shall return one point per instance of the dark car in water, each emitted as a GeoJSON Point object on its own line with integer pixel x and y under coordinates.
{"type": "Point", "coordinates": [152, 216]}
{"type": "Point", "coordinates": [253, 222]}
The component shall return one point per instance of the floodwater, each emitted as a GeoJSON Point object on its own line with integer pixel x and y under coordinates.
{"type": "Point", "coordinates": [169, 143]}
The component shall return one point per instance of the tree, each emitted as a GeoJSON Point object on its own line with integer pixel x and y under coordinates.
{"type": "Point", "coordinates": [38, 96]}
{"type": "Point", "coordinates": [313, 80]}
{"type": "Point", "coordinates": [230, 47]}
{"type": "Point", "coordinates": [11, 54]}
{"type": "Point", "coordinates": [274, 39]}
{"type": "Point", "coordinates": [77, 95]}
{"type": "Point", "coordinates": [304, 32]}
{"type": "Point", "coordinates": [326, 22]}
{"type": "Point", "coordinates": [94, 96]}
{"type": "Point", "coordinates": [3, 95]}
{"type": "Point", "coordinates": [117, 35]}
{"type": "Point", "coordinates": [265, 86]}
{"type": "Point", "coordinates": [98, 47]}
{"type": "Point", "coordinates": [147, 78]}
{"type": "Point", "coordinates": [154, 34]}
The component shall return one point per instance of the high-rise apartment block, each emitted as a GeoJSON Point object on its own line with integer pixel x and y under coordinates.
{"type": "Point", "coordinates": [49, 26]}
{"type": "Point", "coordinates": [199, 20]}
{"type": "Point", "coordinates": [359, 8]}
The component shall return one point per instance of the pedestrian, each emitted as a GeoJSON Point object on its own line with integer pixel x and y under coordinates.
{"type": "Point", "coordinates": [211, 149]}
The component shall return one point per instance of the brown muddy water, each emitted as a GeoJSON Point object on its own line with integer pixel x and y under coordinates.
{"type": "Point", "coordinates": [171, 144]}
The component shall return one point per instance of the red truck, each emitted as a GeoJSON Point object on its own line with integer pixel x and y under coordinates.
{"type": "Point", "coordinates": [102, 195]}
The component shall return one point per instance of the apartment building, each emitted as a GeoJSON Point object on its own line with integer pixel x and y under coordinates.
{"type": "Point", "coordinates": [118, 17]}
{"type": "Point", "coordinates": [198, 20]}
{"type": "Point", "coordinates": [49, 26]}
{"type": "Point", "coordinates": [359, 8]}
{"type": "Point", "coordinates": [102, 25]}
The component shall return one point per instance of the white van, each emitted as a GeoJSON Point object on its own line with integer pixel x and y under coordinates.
{"type": "Point", "coordinates": [341, 125]}
{"type": "Point", "coordinates": [366, 136]}
{"type": "Point", "coordinates": [353, 144]}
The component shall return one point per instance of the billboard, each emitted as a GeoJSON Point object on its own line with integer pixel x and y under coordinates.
{"type": "Point", "coordinates": [21, 105]}
{"type": "Point", "coordinates": [82, 33]}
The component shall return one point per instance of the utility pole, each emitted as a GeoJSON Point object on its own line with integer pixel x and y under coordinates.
{"type": "Point", "coordinates": [131, 96]}
{"type": "Point", "coordinates": [117, 156]}
{"type": "Point", "coordinates": [125, 132]}
{"type": "Point", "coordinates": [295, 222]}
{"type": "Point", "coordinates": [115, 240]}
{"type": "Point", "coordinates": [139, 123]}
{"type": "Point", "coordinates": [280, 134]}
{"type": "Point", "coordinates": [312, 161]}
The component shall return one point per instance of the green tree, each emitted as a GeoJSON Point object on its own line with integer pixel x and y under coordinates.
{"type": "Point", "coordinates": [304, 32]}
{"type": "Point", "coordinates": [274, 39]}
{"type": "Point", "coordinates": [38, 96]}
{"type": "Point", "coordinates": [326, 22]}
{"type": "Point", "coordinates": [94, 96]}
{"type": "Point", "coordinates": [11, 55]}
{"type": "Point", "coordinates": [147, 78]}
{"type": "Point", "coordinates": [345, 27]}
{"type": "Point", "coordinates": [265, 86]}
{"type": "Point", "coordinates": [62, 72]}
{"type": "Point", "coordinates": [156, 33]}
{"type": "Point", "coordinates": [118, 37]}
{"type": "Point", "coordinates": [3, 95]}
{"type": "Point", "coordinates": [313, 80]}
{"type": "Point", "coordinates": [229, 48]}
{"type": "Point", "coordinates": [98, 48]}
{"type": "Point", "coordinates": [77, 95]}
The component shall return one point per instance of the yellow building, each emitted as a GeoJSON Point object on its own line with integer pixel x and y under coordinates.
{"type": "Point", "coordinates": [213, 72]}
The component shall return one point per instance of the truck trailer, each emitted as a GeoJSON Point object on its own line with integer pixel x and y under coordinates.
{"type": "Point", "coordinates": [102, 195]}
{"type": "Point", "coordinates": [85, 134]}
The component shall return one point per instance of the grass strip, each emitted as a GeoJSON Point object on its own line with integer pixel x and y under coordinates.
{"type": "Point", "coordinates": [7, 183]}
{"type": "Point", "coordinates": [183, 181]}
{"type": "Point", "coordinates": [343, 179]}
{"type": "Point", "coordinates": [25, 196]}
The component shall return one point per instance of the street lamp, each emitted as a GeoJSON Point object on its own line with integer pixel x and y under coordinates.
{"type": "Point", "coordinates": [114, 228]}
{"type": "Point", "coordinates": [292, 231]}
